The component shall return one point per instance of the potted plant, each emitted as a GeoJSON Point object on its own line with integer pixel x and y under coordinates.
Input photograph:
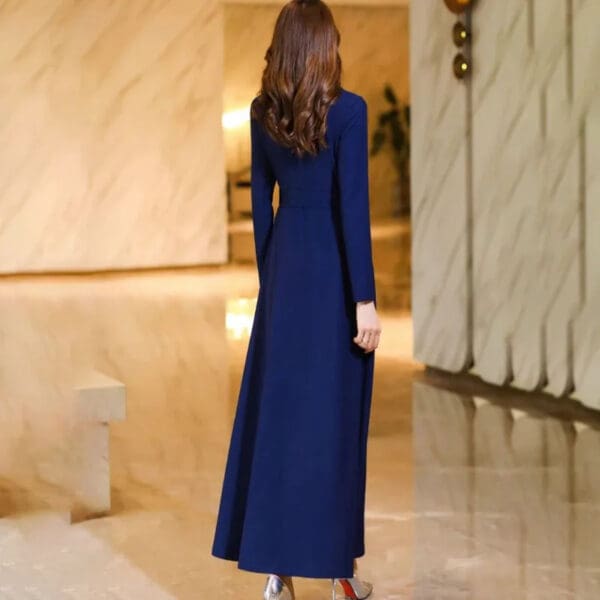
{"type": "Point", "coordinates": [393, 132]}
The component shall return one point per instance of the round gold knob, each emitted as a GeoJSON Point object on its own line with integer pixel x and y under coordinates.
{"type": "Point", "coordinates": [460, 34]}
{"type": "Point", "coordinates": [461, 66]}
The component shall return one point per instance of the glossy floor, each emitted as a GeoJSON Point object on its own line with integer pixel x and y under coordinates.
{"type": "Point", "coordinates": [472, 493]}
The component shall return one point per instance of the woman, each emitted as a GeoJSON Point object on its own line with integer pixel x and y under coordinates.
{"type": "Point", "coordinates": [293, 494]}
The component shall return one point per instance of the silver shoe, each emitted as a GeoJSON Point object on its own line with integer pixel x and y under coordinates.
{"type": "Point", "coordinates": [354, 588]}
{"type": "Point", "coordinates": [275, 589]}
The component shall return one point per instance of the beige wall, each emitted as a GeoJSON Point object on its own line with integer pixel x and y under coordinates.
{"type": "Point", "coordinates": [113, 120]}
{"type": "Point", "coordinates": [111, 134]}
{"type": "Point", "coordinates": [506, 273]}
{"type": "Point", "coordinates": [374, 51]}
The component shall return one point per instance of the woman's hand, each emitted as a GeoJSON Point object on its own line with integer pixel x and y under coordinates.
{"type": "Point", "coordinates": [367, 326]}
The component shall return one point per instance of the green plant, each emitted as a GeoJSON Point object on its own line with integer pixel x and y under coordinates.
{"type": "Point", "coordinates": [393, 131]}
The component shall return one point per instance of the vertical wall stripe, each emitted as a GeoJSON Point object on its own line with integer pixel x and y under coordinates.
{"type": "Point", "coordinates": [569, 50]}
{"type": "Point", "coordinates": [531, 24]}
{"type": "Point", "coordinates": [469, 194]}
{"type": "Point", "coordinates": [582, 212]}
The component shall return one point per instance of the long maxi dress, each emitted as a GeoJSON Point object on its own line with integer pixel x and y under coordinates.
{"type": "Point", "coordinates": [293, 494]}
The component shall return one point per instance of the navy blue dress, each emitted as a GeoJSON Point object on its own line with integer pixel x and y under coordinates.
{"type": "Point", "coordinates": [293, 494]}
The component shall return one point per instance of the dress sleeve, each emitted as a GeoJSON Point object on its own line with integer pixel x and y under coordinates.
{"type": "Point", "coordinates": [262, 182]}
{"type": "Point", "coordinates": [353, 185]}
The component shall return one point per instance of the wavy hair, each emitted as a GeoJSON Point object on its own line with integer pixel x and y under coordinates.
{"type": "Point", "coordinates": [302, 77]}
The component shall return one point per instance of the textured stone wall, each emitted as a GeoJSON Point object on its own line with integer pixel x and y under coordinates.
{"type": "Point", "coordinates": [112, 152]}
{"type": "Point", "coordinates": [506, 273]}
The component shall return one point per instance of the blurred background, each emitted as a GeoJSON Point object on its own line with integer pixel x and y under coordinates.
{"type": "Point", "coordinates": [128, 287]}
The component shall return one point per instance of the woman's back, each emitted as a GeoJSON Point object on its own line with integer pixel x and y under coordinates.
{"type": "Point", "coordinates": [335, 180]}
{"type": "Point", "coordinates": [313, 172]}
{"type": "Point", "coordinates": [294, 487]}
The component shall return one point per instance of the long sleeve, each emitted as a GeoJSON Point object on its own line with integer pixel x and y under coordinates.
{"type": "Point", "coordinates": [353, 185]}
{"type": "Point", "coordinates": [262, 184]}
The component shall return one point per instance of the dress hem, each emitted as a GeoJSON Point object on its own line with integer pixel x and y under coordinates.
{"type": "Point", "coordinates": [244, 566]}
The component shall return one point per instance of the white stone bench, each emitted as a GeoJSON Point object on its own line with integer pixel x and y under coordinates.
{"type": "Point", "coordinates": [99, 400]}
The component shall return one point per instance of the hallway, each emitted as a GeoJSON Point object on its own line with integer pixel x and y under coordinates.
{"type": "Point", "coordinates": [469, 497]}
{"type": "Point", "coordinates": [128, 289]}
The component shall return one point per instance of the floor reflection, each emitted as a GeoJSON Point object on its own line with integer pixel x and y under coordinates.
{"type": "Point", "coordinates": [473, 493]}
{"type": "Point", "coordinates": [507, 500]}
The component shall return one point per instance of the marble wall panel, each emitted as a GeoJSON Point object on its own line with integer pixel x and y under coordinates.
{"type": "Point", "coordinates": [586, 338]}
{"type": "Point", "coordinates": [112, 114]}
{"type": "Point", "coordinates": [532, 294]}
{"type": "Point", "coordinates": [439, 194]}
{"type": "Point", "coordinates": [163, 337]}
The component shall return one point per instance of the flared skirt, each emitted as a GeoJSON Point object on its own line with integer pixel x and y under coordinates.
{"type": "Point", "coordinates": [293, 493]}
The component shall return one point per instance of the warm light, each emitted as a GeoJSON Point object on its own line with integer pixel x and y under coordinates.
{"type": "Point", "coordinates": [239, 317]}
{"type": "Point", "coordinates": [235, 118]}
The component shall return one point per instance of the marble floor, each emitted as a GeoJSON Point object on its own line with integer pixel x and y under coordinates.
{"type": "Point", "coordinates": [473, 493]}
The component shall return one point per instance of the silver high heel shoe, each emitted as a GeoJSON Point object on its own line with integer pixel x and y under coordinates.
{"type": "Point", "coordinates": [354, 588]}
{"type": "Point", "coordinates": [275, 589]}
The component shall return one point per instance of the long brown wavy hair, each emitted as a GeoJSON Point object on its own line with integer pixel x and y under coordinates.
{"type": "Point", "coordinates": [302, 77]}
